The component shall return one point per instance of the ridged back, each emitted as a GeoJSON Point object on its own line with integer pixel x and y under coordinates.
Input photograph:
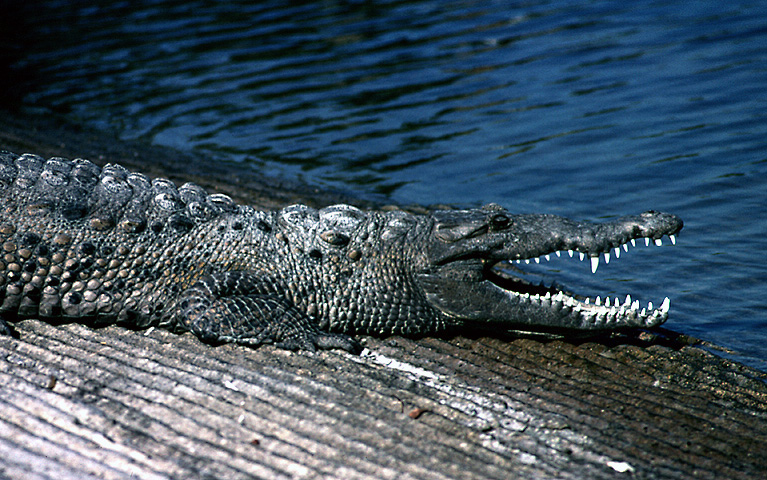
{"type": "Point", "coordinates": [109, 197]}
{"type": "Point", "coordinates": [80, 241]}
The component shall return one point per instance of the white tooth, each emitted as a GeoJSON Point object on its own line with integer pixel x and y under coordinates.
{"type": "Point", "coordinates": [646, 241]}
{"type": "Point", "coordinates": [607, 301]}
{"type": "Point", "coordinates": [622, 310]}
{"type": "Point", "coordinates": [635, 305]}
{"type": "Point", "coordinates": [665, 305]}
{"type": "Point", "coordinates": [537, 260]}
{"type": "Point", "coordinates": [649, 305]}
{"type": "Point", "coordinates": [673, 239]}
{"type": "Point", "coordinates": [547, 257]}
{"type": "Point", "coordinates": [518, 261]}
{"type": "Point", "coordinates": [586, 301]}
{"type": "Point", "coordinates": [571, 253]}
{"type": "Point", "coordinates": [594, 264]}
{"type": "Point", "coordinates": [617, 252]}
{"type": "Point", "coordinates": [527, 261]}
{"type": "Point", "coordinates": [598, 301]}
{"type": "Point", "coordinates": [633, 242]}
{"type": "Point", "coordinates": [626, 247]}
{"type": "Point", "coordinates": [559, 254]}
{"type": "Point", "coordinates": [658, 242]}
{"type": "Point", "coordinates": [607, 257]}
{"type": "Point", "coordinates": [628, 300]}
{"type": "Point", "coordinates": [548, 295]}
{"type": "Point", "coordinates": [582, 255]}
{"type": "Point", "coordinates": [643, 312]}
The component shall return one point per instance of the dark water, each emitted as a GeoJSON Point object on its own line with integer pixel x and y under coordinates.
{"type": "Point", "coordinates": [585, 109]}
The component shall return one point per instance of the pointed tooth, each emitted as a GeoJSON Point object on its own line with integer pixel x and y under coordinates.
{"type": "Point", "coordinates": [658, 242]}
{"type": "Point", "coordinates": [646, 241]}
{"type": "Point", "coordinates": [649, 306]}
{"type": "Point", "coordinates": [537, 260]}
{"type": "Point", "coordinates": [594, 264]}
{"type": "Point", "coordinates": [582, 255]}
{"type": "Point", "coordinates": [547, 257]}
{"type": "Point", "coordinates": [635, 305]}
{"type": "Point", "coordinates": [598, 301]}
{"type": "Point", "coordinates": [628, 300]}
{"type": "Point", "coordinates": [607, 301]}
{"type": "Point", "coordinates": [527, 261]}
{"type": "Point", "coordinates": [643, 312]}
{"type": "Point", "coordinates": [587, 301]}
{"type": "Point", "coordinates": [673, 239]}
{"type": "Point", "coordinates": [571, 253]}
{"type": "Point", "coordinates": [617, 252]}
{"type": "Point", "coordinates": [626, 247]}
{"type": "Point", "coordinates": [633, 242]}
{"type": "Point", "coordinates": [559, 254]}
{"type": "Point", "coordinates": [607, 257]}
{"type": "Point", "coordinates": [665, 305]}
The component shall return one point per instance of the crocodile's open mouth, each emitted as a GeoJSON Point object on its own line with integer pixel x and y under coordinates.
{"type": "Point", "coordinates": [596, 311]}
{"type": "Point", "coordinates": [490, 291]}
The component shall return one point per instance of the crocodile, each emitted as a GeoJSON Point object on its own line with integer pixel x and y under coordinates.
{"type": "Point", "coordinates": [81, 243]}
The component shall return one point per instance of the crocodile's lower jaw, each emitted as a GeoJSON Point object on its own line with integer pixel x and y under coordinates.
{"type": "Point", "coordinates": [585, 313]}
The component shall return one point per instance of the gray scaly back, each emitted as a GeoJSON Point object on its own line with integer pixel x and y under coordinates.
{"type": "Point", "coordinates": [107, 245]}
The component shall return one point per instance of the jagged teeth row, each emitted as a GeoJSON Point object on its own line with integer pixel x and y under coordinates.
{"type": "Point", "coordinates": [628, 304]}
{"type": "Point", "coordinates": [595, 260]}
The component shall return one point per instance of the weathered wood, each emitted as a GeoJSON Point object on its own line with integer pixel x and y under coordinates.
{"type": "Point", "coordinates": [111, 403]}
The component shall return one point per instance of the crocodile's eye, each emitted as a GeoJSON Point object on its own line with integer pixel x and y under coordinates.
{"type": "Point", "coordinates": [499, 222]}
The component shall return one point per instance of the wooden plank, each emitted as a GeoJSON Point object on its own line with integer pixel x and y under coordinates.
{"type": "Point", "coordinates": [115, 403]}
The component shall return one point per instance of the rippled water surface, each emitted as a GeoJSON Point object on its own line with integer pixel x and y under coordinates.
{"type": "Point", "coordinates": [584, 109]}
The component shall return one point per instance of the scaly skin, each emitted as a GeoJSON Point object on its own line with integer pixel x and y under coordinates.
{"type": "Point", "coordinates": [109, 246]}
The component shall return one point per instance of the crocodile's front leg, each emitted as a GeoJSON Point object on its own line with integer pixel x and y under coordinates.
{"type": "Point", "coordinates": [230, 307]}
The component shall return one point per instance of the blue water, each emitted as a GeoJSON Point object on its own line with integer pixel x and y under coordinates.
{"type": "Point", "coordinates": [584, 109]}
